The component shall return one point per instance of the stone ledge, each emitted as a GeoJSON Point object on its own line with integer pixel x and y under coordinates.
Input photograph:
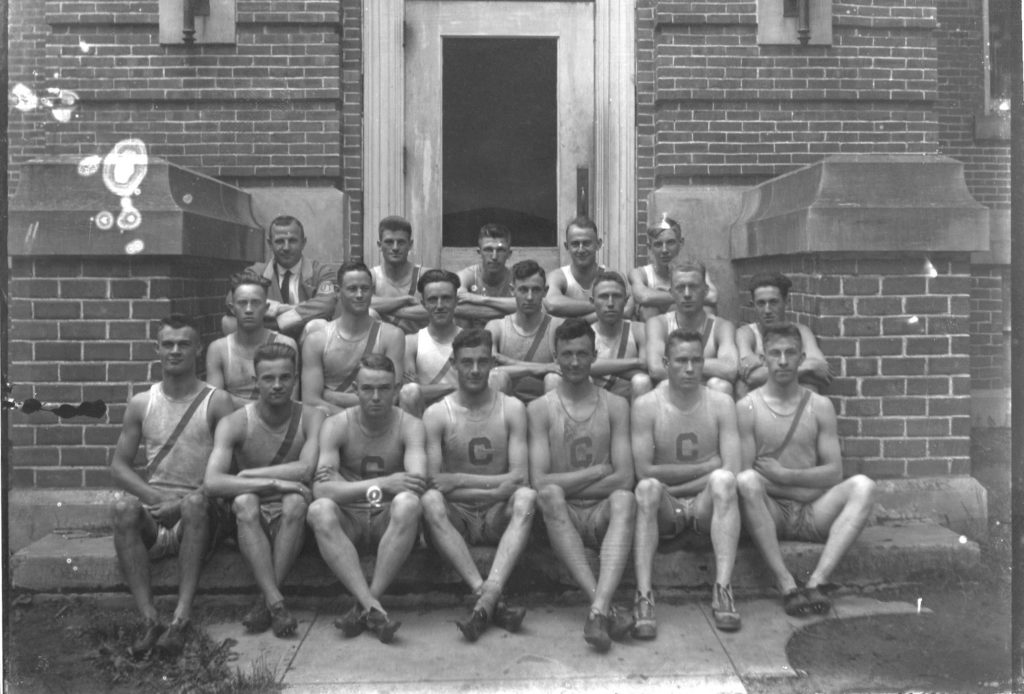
{"type": "Point", "coordinates": [80, 562]}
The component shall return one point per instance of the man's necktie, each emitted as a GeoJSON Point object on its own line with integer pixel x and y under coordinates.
{"type": "Point", "coordinates": [286, 285]}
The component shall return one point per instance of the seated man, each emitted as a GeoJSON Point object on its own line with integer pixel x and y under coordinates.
{"type": "Point", "coordinates": [486, 290]}
{"type": "Point", "coordinates": [568, 293]}
{"type": "Point", "coordinates": [524, 343]}
{"type": "Point", "coordinates": [229, 360]}
{"type": "Point", "coordinates": [687, 453]}
{"type": "Point", "coordinates": [273, 445]}
{"type": "Point", "coordinates": [621, 364]}
{"type": "Point", "coordinates": [582, 469]}
{"type": "Point", "coordinates": [368, 481]}
{"type": "Point", "coordinates": [396, 278]}
{"type": "Point", "coordinates": [301, 290]}
{"type": "Point", "coordinates": [792, 485]}
{"type": "Point", "coordinates": [330, 357]}
{"type": "Point", "coordinates": [428, 366]}
{"type": "Point", "coordinates": [770, 294]}
{"type": "Point", "coordinates": [689, 287]}
{"type": "Point", "coordinates": [168, 514]}
{"type": "Point", "coordinates": [652, 283]}
{"type": "Point", "coordinates": [477, 457]}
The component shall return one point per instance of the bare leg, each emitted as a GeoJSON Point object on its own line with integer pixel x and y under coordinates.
{"type": "Point", "coordinates": [648, 501]}
{"type": "Point", "coordinates": [254, 545]}
{"type": "Point", "coordinates": [410, 399]}
{"type": "Point", "coordinates": [719, 384]}
{"type": "Point", "coordinates": [565, 540]}
{"type": "Point", "coordinates": [510, 548]}
{"type": "Point", "coordinates": [290, 536]}
{"type": "Point", "coordinates": [844, 509]}
{"type": "Point", "coordinates": [397, 542]}
{"type": "Point", "coordinates": [725, 523]}
{"type": "Point", "coordinates": [761, 524]}
{"type": "Point", "coordinates": [639, 384]}
{"type": "Point", "coordinates": [447, 540]}
{"type": "Point", "coordinates": [615, 546]}
{"type": "Point", "coordinates": [195, 521]}
{"type": "Point", "coordinates": [338, 552]}
{"type": "Point", "coordinates": [131, 523]}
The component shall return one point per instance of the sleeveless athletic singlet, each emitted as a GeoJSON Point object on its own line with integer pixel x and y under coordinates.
{"type": "Point", "coordinates": [479, 287]}
{"type": "Point", "coordinates": [707, 331]}
{"type": "Point", "coordinates": [608, 348]}
{"type": "Point", "coordinates": [367, 455]}
{"type": "Point", "coordinates": [239, 374]}
{"type": "Point", "coordinates": [516, 344]}
{"type": "Point", "coordinates": [341, 355]}
{"type": "Point", "coordinates": [770, 430]}
{"type": "Point", "coordinates": [577, 444]}
{"type": "Point", "coordinates": [262, 441]}
{"type": "Point", "coordinates": [383, 286]}
{"type": "Point", "coordinates": [183, 468]}
{"type": "Point", "coordinates": [475, 442]}
{"type": "Point", "coordinates": [684, 436]}
{"type": "Point", "coordinates": [573, 289]}
{"type": "Point", "coordinates": [655, 282]}
{"type": "Point", "coordinates": [431, 358]}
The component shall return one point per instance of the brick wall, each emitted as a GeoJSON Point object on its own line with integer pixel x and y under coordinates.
{"type": "Point", "coordinates": [990, 349]}
{"type": "Point", "coordinates": [351, 180]}
{"type": "Point", "coordinates": [26, 53]}
{"type": "Point", "coordinates": [897, 338]}
{"type": "Point", "coordinates": [84, 330]}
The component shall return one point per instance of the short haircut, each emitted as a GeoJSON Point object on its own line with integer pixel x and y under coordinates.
{"type": "Point", "coordinates": [437, 275]}
{"type": "Point", "coordinates": [571, 328]}
{"type": "Point", "coordinates": [394, 223]}
{"type": "Point", "coordinates": [782, 330]}
{"type": "Point", "coordinates": [495, 231]}
{"type": "Point", "coordinates": [583, 222]}
{"type": "Point", "coordinates": [608, 276]}
{"type": "Point", "coordinates": [376, 362]}
{"type": "Point", "coordinates": [474, 337]}
{"type": "Point", "coordinates": [353, 266]}
{"type": "Point", "coordinates": [283, 221]}
{"type": "Point", "coordinates": [525, 269]}
{"type": "Point", "coordinates": [690, 266]}
{"type": "Point", "coordinates": [666, 223]}
{"type": "Point", "coordinates": [679, 336]}
{"type": "Point", "coordinates": [177, 321]}
{"type": "Point", "coordinates": [771, 279]}
{"type": "Point", "coordinates": [247, 276]}
{"type": "Point", "coordinates": [274, 352]}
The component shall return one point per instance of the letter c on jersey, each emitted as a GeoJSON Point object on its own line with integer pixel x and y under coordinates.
{"type": "Point", "coordinates": [686, 447]}
{"type": "Point", "coordinates": [481, 452]}
{"type": "Point", "coordinates": [580, 455]}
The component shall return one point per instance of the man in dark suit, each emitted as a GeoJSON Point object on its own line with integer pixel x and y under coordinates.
{"type": "Point", "coordinates": [301, 289]}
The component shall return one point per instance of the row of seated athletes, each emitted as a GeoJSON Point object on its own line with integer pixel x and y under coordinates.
{"type": "Point", "coordinates": [473, 470]}
{"type": "Point", "coordinates": [522, 324]}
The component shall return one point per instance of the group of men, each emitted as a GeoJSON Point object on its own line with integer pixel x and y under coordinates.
{"type": "Point", "coordinates": [382, 405]}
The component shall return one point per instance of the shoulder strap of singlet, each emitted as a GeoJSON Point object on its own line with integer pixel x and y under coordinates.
{"type": "Point", "coordinates": [627, 329]}
{"type": "Point", "coordinates": [538, 338]}
{"type": "Point", "coordinates": [289, 437]}
{"type": "Point", "coordinates": [415, 277]}
{"type": "Point", "coordinates": [371, 338]}
{"type": "Point", "coordinates": [792, 427]}
{"type": "Point", "coordinates": [180, 427]}
{"type": "Point", "coordinates": [709, 325]}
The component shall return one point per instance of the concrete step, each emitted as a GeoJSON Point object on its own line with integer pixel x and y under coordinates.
{"type": "Point", "coordinates": [884, 554]}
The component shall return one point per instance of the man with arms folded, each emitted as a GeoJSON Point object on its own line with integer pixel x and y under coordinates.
{"type": "Point", "coordinates": [689, 287]}
{"type": "Point", "coordinates": [370, 475]}
{"type": "Point", "coordinates": [330, 357]}
{"type": "Point", "coordinates": [792, 485]}
{"type": "Point", "coordinates": [396, 278]}
{"type": "Point", "coordinates": [770, 294]}
{"type": "Point", "coordinates": [652, 283]}
{"type": "Point", "coordinates": [168, 513]}
{"type": "Point", "coordinates": [301, 290]}
{"type": "Point", "coordinates": [486, 288]}
{"type": "Point", "coordinates": [477, 457]}
{"type": "Point", "coordinates": [229, 360]}
{"type": "Point", "coordinates": [582, 469]}
{"type": "Point", "coordinates": [568, 293]}
{"type": "Point", "coordinates": [687, 452]}
{"type": "Point", "coordinates": [273, 442]}
{"type": "Point", "coordinates": [524, 342]}
{"type": "Point", "coordinates": [621, 365]}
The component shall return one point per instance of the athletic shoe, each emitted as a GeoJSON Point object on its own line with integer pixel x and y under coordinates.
{"type": "Point", "coordinates": [595, 632]}
{"type": "Point", "coordinates": [620, 623]}
{"type": "Point", "coordinates": [474, 626]}
{"type": "Point", "coordinates": [646, 626]}
{"type": "Point", "coordinates": [282, 621]}
{"type": "Point", "coordinates": [508, 618]}
{"type": "Point", "coordinates": [379, 624]}
{"type": "Point", "coordinates": [351, 623]}
{"type": "Point", "coordinates": [172, 641]}
{"type": "Point", "coordinates": [257, 619]}
{"type": "Point", "coordinates": [723, 610]}
{"type": "Point", "coordinates": [149, 637]}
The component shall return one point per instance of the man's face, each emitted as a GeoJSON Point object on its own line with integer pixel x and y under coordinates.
{"type": "Point", "coordinates": [439, 300]}
{"type": "Point", "coordinates": [178, 350]}
{"type": "Point", "coordinates": [394, 246]}
{"type": "Point", "coordinates": [574, 358]}
{"type": "Point", "coordinates": [375, 390]}
{"type": "Point", "coordinates": [609, 300]}
{"type": "Point", "coordinates": [770, 306]}
{"type": "Point", "coordinates": [582, 245]}
{"type": "Point", "coordinates": [355, 292]}
{"type": "Point", "coordinates": [529, 294]}
{"type": "Point", "coordinates": [287, 244]}
{"type": "Point", "coordinates": [249, 302]}
{"type": "Point", "coordinates": [494, 254]}
{"type": "Point", "coordinates": [685, 365]}
{"type": "Point", "coordinates": [473, 365]}
{"type": "Point", "coordinates": [689, 291]}
{"type": "Point", "coordinates": [663, 248]}
{"type": "Point", "coordinates": [782, 356]}
{"type": "Point", "coordinates": [275, 380]}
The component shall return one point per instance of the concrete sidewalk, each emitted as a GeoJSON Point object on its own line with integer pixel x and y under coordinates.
{"type": "Point", "coordinates": [547, 655]}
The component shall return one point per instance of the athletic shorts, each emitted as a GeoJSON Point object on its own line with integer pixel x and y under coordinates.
{"type": "Point", "coordinates": [479, 524]}
{"type": "Point", "coordinates": [168, 540]}
{"type": "Point", "coordinates": [797, 522]}
{"type": "Point", "coordinates": [369, 523]}
{"type": "Point", "coordinates": [684, 512]}
{"type": "Point", "coordinates": [590, 519]}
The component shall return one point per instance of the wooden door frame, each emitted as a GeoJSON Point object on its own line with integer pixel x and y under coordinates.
{"type": "Point", "coordinates": [614, 194]}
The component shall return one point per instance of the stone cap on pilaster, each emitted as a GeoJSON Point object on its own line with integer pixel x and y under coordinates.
{"type": "Point", "coordinates": [863, 203]}
{"type": "Point", "coordinates": [64, 207]}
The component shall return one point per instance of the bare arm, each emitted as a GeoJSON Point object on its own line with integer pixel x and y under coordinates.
{"type": "Point", "coordinates": [301, 469]}
{"type": "Point", "coordinates": [388, 305]}
{"type": "Point", "coordinates": [540, 457]}
{"type": "Point", "coordinates": [751, 369]}
{"type": "Point", "coordinates": [745, 429]}
{"type": "Point", "coordinates": [656, 348]}
{"type": "Point", "coordinates": [121, 470]}
{"type": "Point", "coordinates": [314, 391]}
{"type": "Point", "coordinates": [394, 344]}
{"type": "Point", "coordinates": [729, 449]}
{"type": "Point", "coordinates": [814, 362]}
{"type": "Point", "coordinates": [558, 304]}
{"type": "Point", "coordinates": [723, 364]}
{"type": "Point", "coordinates": [218, 480]}
{"type": "Point", "coordinates": [622, 476]}
{"type": "Point", "coordinates": [215, 362]}
{"type": "Point", "coordinates": [643, 416]}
